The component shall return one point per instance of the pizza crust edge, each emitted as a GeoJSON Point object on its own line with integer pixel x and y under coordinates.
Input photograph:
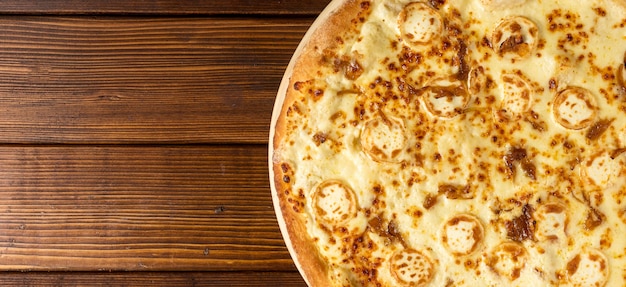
{"type": "Point", "coordinates": [335, 20]}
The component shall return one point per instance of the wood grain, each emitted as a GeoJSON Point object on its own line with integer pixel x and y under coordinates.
{"type": "Point", "coordinates": [164, 7]}
{"type": "Point", "coordinates": [141, 80]}
{"type": "Point", "coordinates": [172, 208]}
{"type": "Point", "coordinates": [133, 141]}
{"type": "Point", "coordinates": [152, 279]}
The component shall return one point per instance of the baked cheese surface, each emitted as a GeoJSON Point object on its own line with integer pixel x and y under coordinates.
{"type": "Point", "coordinates": [463, 143]}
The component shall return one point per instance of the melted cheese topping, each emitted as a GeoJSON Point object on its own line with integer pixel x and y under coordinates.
{"type": "Point", "coordinates": [467, 143]}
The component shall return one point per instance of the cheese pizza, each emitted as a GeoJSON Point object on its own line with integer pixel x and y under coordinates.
{"type": "Point", "coordinates": [455, 143]}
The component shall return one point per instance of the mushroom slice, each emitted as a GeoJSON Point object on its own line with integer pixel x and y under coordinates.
{"type": "Point", "coordinates": [462, 234]}
{"type": "Point", "coordinates": [515, 36]}
{"type": "Point", "coordinates": [445, 97]}
{"type": "Point", "coordinates": [508, 259]}
{"type": "Point", "coordinates": [574, 108]}
{"type": "Point", "coordinates": [412, 267]}
{"type": "Point", "coordinates": [419, 23]}
{"type": "Point", "coordinates": [551, 221]}
{"type": "Point", "coordinates": [588, 268]}
{"type": "Point", "coordinates": [383, 138]}
{"type": "Point", "coordinates": [334, 202]}
{"type": "Point", "coordinates": [516, 97]}
{"type": "Point", "coordinates": [602, 169]}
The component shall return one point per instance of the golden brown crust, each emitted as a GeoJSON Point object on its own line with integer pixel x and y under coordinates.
{"type": "Point", "coordinates": [338, 18]}
{"type": "Point", "coordinates": [310, 264]}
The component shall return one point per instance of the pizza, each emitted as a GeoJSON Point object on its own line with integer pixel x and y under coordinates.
{"type": "Point", "coordinates": [455, 143]}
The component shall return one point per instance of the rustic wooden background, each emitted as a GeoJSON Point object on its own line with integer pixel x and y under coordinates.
{"type": "Point", "coordinates": [133, 141]}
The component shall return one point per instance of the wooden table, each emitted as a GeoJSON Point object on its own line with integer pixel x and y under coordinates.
{"type": "Point", "coordinates": [133, 141]}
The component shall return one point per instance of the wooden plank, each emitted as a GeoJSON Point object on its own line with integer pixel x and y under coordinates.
{"type": "Point", "coordinates": [152, 279]}
{"type": "Point", "coordinates": [170, 208]}
{"type": "Point", "coordinates": [161, 7]}
{"type": "Point", "coordinates": [141, 80]}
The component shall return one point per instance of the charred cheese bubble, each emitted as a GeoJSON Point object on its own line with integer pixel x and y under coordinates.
{"type": "Point", "coordinates": [508, 259]}
{"type": "Point", "coordinates": [419, 23]}
{"type": "Point", "coordinates": [445, 97]}
{"type": "Point", "coordinates": [412, 267]}
{"type": "Point", "coordinates": [383, 138]}
{"type": "Point", "coordinates": [602, 169]}
{"type": "Point", "coordinates": [334, 202]}
{"type": "Point", "coordinates": [574, 108]}
{"type": "Point", "coordinates": [588, 268]}
{"type": "Point", "coordinates": [516, 97]}
{"type": "Point", "coordinates": [551, 221]}
{"type": "Point", "coordinates": [462, 234]}
{"type": "Point", "coordinates": [515, 37]}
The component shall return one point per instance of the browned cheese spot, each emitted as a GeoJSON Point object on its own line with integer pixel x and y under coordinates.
{"type": "Point", "coordinates": [572, 265]}
{"type": "Point", "coordinates": [436, 3]}
{"type": "Point", "coordinates": [621, 78]}
{"type": "Point", "coordinates": [537, 124]}
{"type": "Point", "coordinates": [598, 128]}
{"type": "Point", "coordinates": [319, 138]}
{"type": "Point", "coordinates": [518, 154]}
{"type": "Point", "coordinates": [388, 230]}
{"type": "Point", "coordinates": [316, 94]}
{"type": "Point", "coordinates": [514, 44]}
{"type": "Point", "coordinates": [594, 219]}
{"type": "Point", "coordinates": [617, 152]}
{"type": "Point", "coordinates": [430, 201]}
{"type": "Point", "coordinates": [600, 11]}
{"type": "Point", "coordinates": [452, 191]}
{"type": "Point", "coordinates": [351, 68]}
{"type": "Point", "coordinates": [522, 227]}
{"type": "Point", "coordinates": [529, 168]}
{"type": "Point", "coordinates": [464, 68]}
{"type": "Point", "coordinates": [552, 84]}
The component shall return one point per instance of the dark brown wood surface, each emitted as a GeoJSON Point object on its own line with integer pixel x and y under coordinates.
{"type": "Point", "coordinates": [133, 141]}
{"type": "Point", "coordinates": [160, 7]}
{"type": "Point", "coordinates": [141, 80]}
